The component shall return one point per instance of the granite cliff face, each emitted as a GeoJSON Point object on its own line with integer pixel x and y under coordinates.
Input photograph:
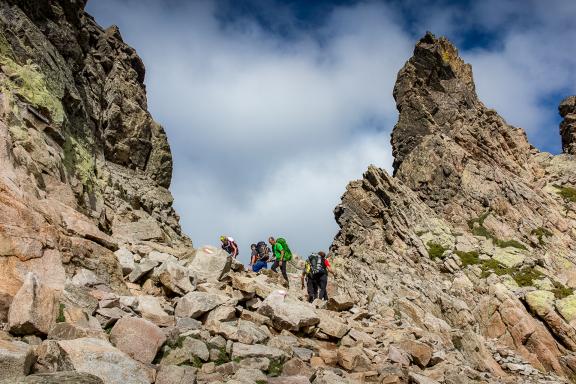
{"type": "Point", "coordinates": [470, 245]}
{"type": "Point", "coordinates": [84, 167]}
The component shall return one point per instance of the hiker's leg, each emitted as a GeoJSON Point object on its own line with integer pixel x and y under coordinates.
{"type": "Point", "coordinates": [315, 286]}
{"type": "Point", "coordinates": [283, 269]}
{"type": "Point", "coordinates": [258, 266]}
{"type": "Point", "coordinates": [310, 288]}
{"type": "Point", "coordinates": [275, 265]}
{"type": "Point", "coordinates": [323, 286]}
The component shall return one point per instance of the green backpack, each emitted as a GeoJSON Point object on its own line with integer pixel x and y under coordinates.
{"type": "Point", "coordinates": [286, 248]}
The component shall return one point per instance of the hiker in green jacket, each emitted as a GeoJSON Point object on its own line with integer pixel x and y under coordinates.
{"type": "Point", "coordinates": [280, 256]}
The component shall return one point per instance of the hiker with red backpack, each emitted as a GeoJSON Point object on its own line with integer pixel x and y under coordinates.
{"type": "Point", "coordinates": [322, 277]}
{"type": "Point", "coordinates": [316, 271]}
{"type": "Point", "coordinates": [229, 245]}
{"type": "Point", "coordinates": [282, 254]}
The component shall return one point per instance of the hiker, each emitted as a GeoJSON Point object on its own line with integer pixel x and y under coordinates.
{"type": "Point", "coordinates": [260, 255]}
{"type": "Point", "coordinates": [253, 254]}
{"type": "Point", "coordinates": [282, 255]}
{"type": "Point", "coordinates": [310, 269]}
{"type": "Point", "coordinates": [229, 245]}
{"type": "Point", "coordinates": [321, 277]}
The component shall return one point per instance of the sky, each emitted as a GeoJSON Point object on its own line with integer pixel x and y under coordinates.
{"type": "Point", "coordinates": [271, 107]}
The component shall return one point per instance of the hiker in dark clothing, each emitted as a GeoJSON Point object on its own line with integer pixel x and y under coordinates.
{"type": "Point", "coordinates": [260, 254]}
{"type": "Point", "coordinates": [321, 277]}
{"type": "Point", "coordinates": [280, 256]}
{"type": "Point", "coordinates": [253, 254]}
{"type": "Point", "coordinates": [308, 275]}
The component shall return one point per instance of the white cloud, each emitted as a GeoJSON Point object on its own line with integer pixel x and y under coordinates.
{"type": "Point", "coordinates": [296, 201]}
{"type": "Point", "coordinates": [267, 130]}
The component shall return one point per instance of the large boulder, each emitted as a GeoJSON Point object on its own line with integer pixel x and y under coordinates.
{"type": "Point", "coordinates": [332, 325]}
{"type": "Point", "coordinates": [126, 260]}
{"type": "Point", "coordinates": [287, 313]}
{"type": "Point", "coordinates": [141, 269]}
{"type": "Point", "coordinates": [420, 353]}
{"type": "Point", "coordinates": [16, 359]}
{"type": "Point", "coordinates": [243, 351]}
{"type": "Point", "coordinates": [34, 308]}
{"type": "Point", "coordinates": [70, 377]}
{"type": "Point", "coordinates": [149, 307]}
{"type": "Point", "coordinates": [51, 358]}
{"type": "Point", "coordinates": [210, 263]}
{"type": "Point", "coordinates": [340, 303]}
{"type": "Point", "coordinates": [175, 278]}
{"type": "Point", "coordinates": [68, 331]}
{"type": "Point", "coordinates": [190, 350]}
{"type": "Point", "coordinates": [100, 358]}
{"type": "Point", "coordinates": [78, 224]}
{"type": "Point", "coordinates": [138, 338]}
{"type": "Point", "coordinates": [353, 358]}
{"type": "Point", "coordinates": [195, 304]}
{"type": "Point", "coordinates": [175, 374]}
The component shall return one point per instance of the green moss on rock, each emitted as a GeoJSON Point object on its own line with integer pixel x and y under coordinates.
{"type": "Point", "coordinates": [561, 291]}
{"type": "Point", "coordinates": [509, 244]}
{"type": "Point", "coordinates": [493, 266]}
{"type": "Point", "coordinates": [223, 356]}
{"type": "Point", "coordinates": [275, 367]}
{"type": "Point", "coordinates": [61, 318]}
{"type": "Point", "coordinates": [567, 307]}
{"type": "Point", "coordinates": [540, 302]}
{"type": "Point", "coordinates": [567, 193]}
{"type": "Point", "coordinates": [436, 250]}
{"type": "Point", "coordinates": [540, 233]}
{"type": "Point", "coordinates": [477, 228]}
{"type": "Point", "coordinates": [525, 277]}
{"type": "Point", "coordinates": [79, 161]}
{"type": "Point", "coordinates": [28, 82]}
{"type": "Point", "coordinates": [479, 220]}
{"type": "Point", "coordinates": [468, 258]}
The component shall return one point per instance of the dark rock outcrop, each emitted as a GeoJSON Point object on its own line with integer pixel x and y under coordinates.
{"type": "Point", "coordinates": [567, 109]}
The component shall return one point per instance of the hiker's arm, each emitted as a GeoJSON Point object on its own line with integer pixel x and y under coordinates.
{"type": "Point", "coordinates": [281, 255]}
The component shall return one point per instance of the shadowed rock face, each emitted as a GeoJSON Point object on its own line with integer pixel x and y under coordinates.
{"type": "Point", "coordinates": [474, 221]}
{"type": "Point", "coordinates": [97, 81]}
{"type": "Point", "coordinates": [83, 166]}
{"type": "Point", "coordinates": [432, 87]}
{"type": "Point", "coordinates": [567, 110]}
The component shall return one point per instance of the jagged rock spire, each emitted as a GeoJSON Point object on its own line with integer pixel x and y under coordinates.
{"type": "Point", "coordinates": [567, 109]}
{"type": "Point", "coordinates": [433, 86]}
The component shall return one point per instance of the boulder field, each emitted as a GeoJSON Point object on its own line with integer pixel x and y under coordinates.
{"type": "Point", "coordinates": [458, 268]}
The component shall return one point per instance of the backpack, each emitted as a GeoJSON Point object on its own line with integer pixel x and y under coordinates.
{"type": "Point", "coordinates": [286, 248]}
{"type": "Point", "coordinates": [228, 247]}
{"type": "Point", "coordinates": [316, 265]}
{"type": "Point", "coordinates": [263, 251]}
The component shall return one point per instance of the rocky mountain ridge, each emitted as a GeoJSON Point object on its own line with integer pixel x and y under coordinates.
{"type": "Point", "coordinates": [457, 269]}
{"type": "Point", "coordinates": [471, 243]}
